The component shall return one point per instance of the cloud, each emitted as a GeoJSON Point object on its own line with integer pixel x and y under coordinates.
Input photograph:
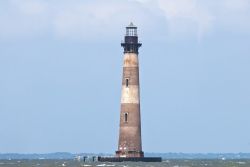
{"type": "Point", "coordinates": [236, 5]}
{"type": "Point", "coordinates": [189, 18]}
{"type": "Point", "coordinates": [92, 19]}
{"type": "Point", "coordinates": [233, 15]}
{"type": "Point", "coordinates": [69, 19]}
{"type": "Point", "coordinates": [30, 7]}
{"type": "Point", "coordinates": [185, 16]}
{"type": "Point", "coordinates": [95, 19]}
{"type": "Point", "coordinates": [23, 18]}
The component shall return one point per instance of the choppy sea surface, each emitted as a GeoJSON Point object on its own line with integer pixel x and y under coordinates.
{"type": "Point", "coordinates": [165, 163]}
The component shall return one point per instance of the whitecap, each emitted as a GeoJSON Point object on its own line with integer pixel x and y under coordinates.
{"type": "Point", "coordinates": [242, 163]}
{"type": "Point", "coordinates": [105, 165]}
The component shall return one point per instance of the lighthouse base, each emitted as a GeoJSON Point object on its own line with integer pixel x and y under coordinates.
{"type": "Point", "coordinates": [128, 154]}
{"type": "Point", "coordinates": [132, 159]}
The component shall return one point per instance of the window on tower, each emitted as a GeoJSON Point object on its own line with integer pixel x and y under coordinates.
{"type": "Point", "coordinates": [126, 117]}
{"type": "Point", "coordinates": [126, 82]}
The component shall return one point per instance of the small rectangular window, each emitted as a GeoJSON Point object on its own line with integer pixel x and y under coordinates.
{"type": "Point", "coordinates": [126, 117]}
{"type": "Point", "coordinates": [127, 82]}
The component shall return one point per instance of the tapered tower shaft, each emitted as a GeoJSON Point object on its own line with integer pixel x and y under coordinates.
{"type": "Point", "coordinates": [130, 120]}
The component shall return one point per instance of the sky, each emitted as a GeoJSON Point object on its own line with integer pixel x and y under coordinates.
{"type": "Point", "coordinates": [61, 70]}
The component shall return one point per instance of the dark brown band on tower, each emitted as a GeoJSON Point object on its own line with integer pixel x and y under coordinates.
{"type": "Point", "coordinates": [131, 73]}
{"type": "Point", "coordinates": [133, 115]}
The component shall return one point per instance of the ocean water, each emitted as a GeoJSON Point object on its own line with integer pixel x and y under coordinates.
{"type": "Point", "coordinates": [165, 163]}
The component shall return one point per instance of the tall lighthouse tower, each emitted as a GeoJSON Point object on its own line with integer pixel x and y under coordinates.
{"type": "Point", "coordinates": [129, 145]}
{"type": "Point", "coordinates": [130, 120]}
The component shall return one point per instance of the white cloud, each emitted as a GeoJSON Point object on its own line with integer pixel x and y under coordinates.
{"type": "Point", "coordinates": [185, 16]}
{"type": "Point", "coordinates": [23, 18]}
{"type": "Point", "coordinates": [69, 19]}
{"type": "Point", "coordinates": [88, 20]}
{"type": "Point", "coordinates": [234, 15]}
{"type": "Point", "coordinates": [30, 7]}
{"type": "Point", "coordinates": [94, 19]}
{"type": "Point", "coordinates": [236, 5]}
{"type": "Point", "coordinates": [200, 17]}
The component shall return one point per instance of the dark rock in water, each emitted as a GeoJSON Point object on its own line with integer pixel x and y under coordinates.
{"type": "Point", "coordinates": [132, 159]}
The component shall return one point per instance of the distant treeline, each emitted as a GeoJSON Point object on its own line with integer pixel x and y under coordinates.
{"type": "Point", "coordinates": [57, 155]}
{"type": "Point", "coordinates": [201, 155]}
{"type": "Point", "coordinates": [65, 155]}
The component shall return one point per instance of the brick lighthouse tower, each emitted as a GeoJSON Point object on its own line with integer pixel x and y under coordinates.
{"type": "Point", "coordinates": [130, 120]}
{"type": "Point", "coordinates": [129, 145]}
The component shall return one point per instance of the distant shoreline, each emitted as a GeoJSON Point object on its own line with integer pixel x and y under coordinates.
{"type": "Point", "coordinates": [65, 155]}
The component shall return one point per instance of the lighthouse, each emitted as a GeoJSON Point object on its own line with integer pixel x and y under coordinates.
{"type": "Point", "coordinates": [130, 144]}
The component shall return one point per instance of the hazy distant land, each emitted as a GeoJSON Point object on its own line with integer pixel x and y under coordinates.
{"type": "Point", "coordinates": [65, 155]}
